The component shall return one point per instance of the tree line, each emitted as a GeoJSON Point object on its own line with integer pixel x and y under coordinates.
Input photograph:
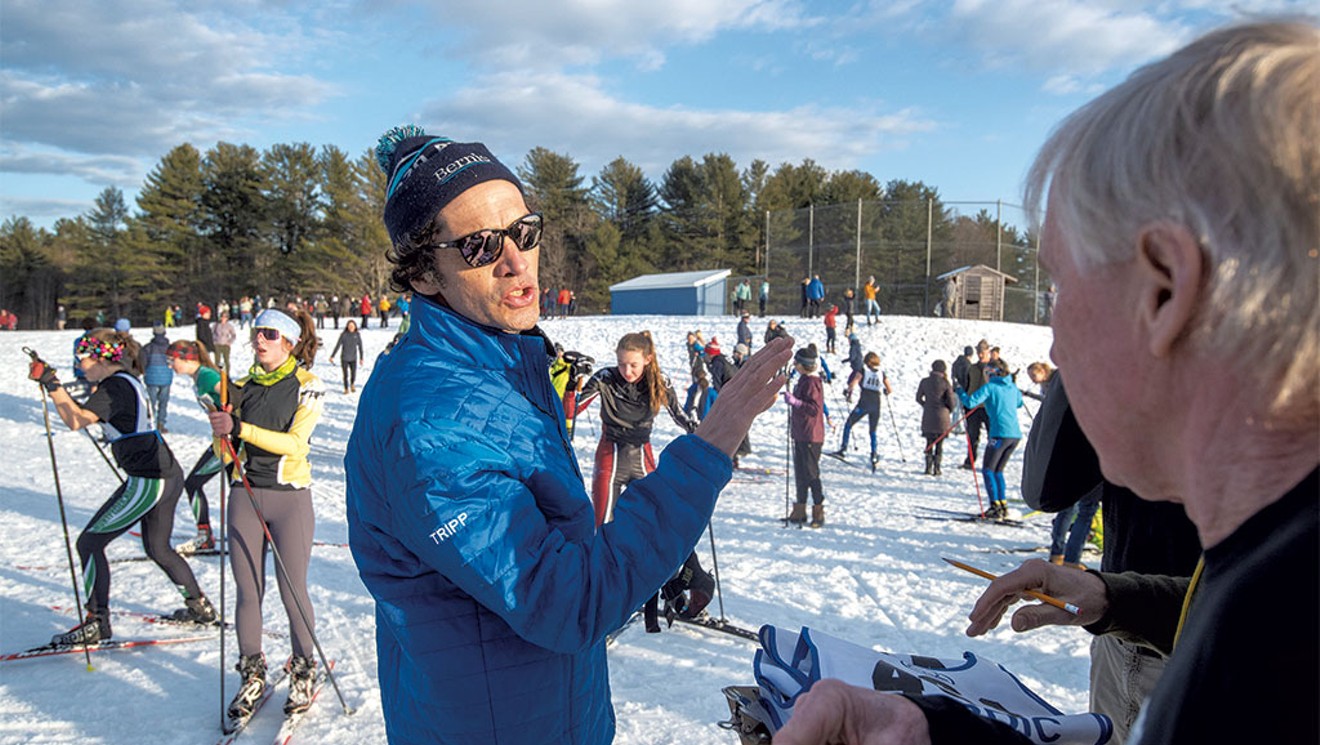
{"type": "Point", "coordinates": [296, 219]}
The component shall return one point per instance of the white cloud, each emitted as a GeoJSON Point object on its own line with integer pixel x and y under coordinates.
{"type": "Point", "coordinates": [555, 35]}
{"type": "Point", "coordinates": [122, 171]}
{"type": "Point", "coordinates": [1064, 36]}
{"type": "Point", "coordinates": [139, 77]}
{"type": "Point", "coordinates": [573, 115]}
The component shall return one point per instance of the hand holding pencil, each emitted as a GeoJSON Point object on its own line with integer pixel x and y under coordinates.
{"type": "Point", "coordinates": [1055, 586]}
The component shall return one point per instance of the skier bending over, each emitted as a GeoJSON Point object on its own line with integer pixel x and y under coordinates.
{"type": "Point", "coordinates": [631, 394]}
{"type": "Point", "coordinates": [109, 359]}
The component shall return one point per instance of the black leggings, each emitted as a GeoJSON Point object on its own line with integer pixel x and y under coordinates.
{"type": "Point", "coordinates": [806, 471]}
{"type": "Point", "coordinates": [349, 368]}
{"type": "Point", "coordinates": [208, 465]}
{"type": "Point", "coordinates": [151, 501]}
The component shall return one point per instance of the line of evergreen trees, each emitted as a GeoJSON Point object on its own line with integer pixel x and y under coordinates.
{"type": "Point", "coordinates": [295, 219]}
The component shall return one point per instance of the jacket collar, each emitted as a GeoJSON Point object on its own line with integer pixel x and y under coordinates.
{"type": "Point", "coordinates": [440, 328]}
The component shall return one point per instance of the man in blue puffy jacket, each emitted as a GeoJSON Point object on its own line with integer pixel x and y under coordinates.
{"type": "Point", "coordinates": [467, 514]}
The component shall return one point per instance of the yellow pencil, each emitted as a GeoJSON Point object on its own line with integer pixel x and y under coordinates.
{"type": "Point", "coordinates": [1057, 603]}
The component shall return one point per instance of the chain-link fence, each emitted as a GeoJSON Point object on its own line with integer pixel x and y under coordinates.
{"type": "Point", "coordinates": [906, 246]}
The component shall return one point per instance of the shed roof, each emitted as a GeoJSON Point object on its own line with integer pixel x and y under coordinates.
{"type": "Point", "coordinates": [671, 280]}
{"type": "Point", "coordinates": [982, 268]}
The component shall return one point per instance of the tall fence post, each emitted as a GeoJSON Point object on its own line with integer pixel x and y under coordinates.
{"type": "Point", "coordinates": [811, 238]}
{"type": "Point", "coordinates": [930, 222]}
{"type": "Point", "coordinates": [857, 263]}
{"type": "Point", "coordinates": [999, 234]}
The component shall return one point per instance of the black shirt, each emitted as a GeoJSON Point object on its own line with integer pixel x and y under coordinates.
{"type": "Point", "coordinates": [121, 405]}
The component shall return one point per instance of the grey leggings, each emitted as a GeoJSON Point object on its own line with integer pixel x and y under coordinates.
{"type": "Point", "coordinates": [291, 522]}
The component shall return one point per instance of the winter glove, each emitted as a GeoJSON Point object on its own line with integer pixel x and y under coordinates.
{"type": "Point", "coordinates": [847, 395]}
{"type": "Point", "coordinates": [44, 374]}
{"type": "Point", "coordinates": [791, 400]}
{"type": "Point", "coordinates": [224, 423]}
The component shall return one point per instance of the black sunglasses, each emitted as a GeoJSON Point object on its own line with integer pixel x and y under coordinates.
{"type": "Point", "coordinates": [485, 246]}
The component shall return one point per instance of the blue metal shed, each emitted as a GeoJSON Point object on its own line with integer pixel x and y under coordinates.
{"type": "Point", "coordinates": [674, 293]}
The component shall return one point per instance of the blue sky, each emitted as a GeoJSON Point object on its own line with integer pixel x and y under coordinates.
{"type": "Point", "coordinates": [956, 94]}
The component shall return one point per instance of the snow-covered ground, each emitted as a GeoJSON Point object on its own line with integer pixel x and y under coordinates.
{"type": "Point", "coordinates": [872, 575]}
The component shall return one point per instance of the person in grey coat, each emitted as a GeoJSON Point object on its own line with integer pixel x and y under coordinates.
{"type": "Point", "coordinates": [350, 341]}
{"type": "Point", "coordinates": [935, 394]}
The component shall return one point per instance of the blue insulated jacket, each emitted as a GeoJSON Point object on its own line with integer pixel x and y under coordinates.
{"type": "Point", "coordinates": [1001, 399]}
{"type": "Point", "coordinates": [471, 528]}
{"type": "Point", "coordinates": [156, 368]}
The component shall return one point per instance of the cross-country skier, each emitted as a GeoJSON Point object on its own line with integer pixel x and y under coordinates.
{"type": "Point", "coordinates": [109, 360]}
{"type": "Point", "coordinates": [1002, 399]}
{"type": "Point", "coordinates": [631, 394]}
{"type": "Point", "coordinates": [873, 382]}
{"type": "Point", "coordinates": [270, 419]}
{"type": "Point", "coordinates": [190, 358]}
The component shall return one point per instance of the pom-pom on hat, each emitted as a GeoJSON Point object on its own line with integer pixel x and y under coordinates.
{"type": "Point", "coordinates": [712, 347]}
{"type": "Point", "coordinates": [425, 173]}
{"type": "Point", "coordinates": [807, 357]}
{"type": "Point", "coordinates": [122, 325]}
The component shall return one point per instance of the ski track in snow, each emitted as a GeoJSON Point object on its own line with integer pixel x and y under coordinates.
{"type": "Point", "coordinates": [872, 575]}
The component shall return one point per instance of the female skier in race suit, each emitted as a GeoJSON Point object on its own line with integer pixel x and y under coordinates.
{"type": "Point", "coordinates": [190, 358]}
{"type": "Point", "coordinates": [631, 394]}
{"type": "Point", "coordinates": [109, 359]}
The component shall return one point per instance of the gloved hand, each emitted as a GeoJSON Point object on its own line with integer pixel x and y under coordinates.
{"type": "Point", "coordinates": [224, 423]}
{"type": "Point", "coordinates": [847, 395]}
{"type": "Point", "coordinates": [44, 374]}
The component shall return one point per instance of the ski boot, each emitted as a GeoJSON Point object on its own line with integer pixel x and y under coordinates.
{"type": "Point", "coordinates": [651, 614]}
{"type": "Point", "coordinates": [96, 628]}
{"type": "Point", "coordinates": [198, 610]}
{"type": "Point", "coordinates": [253, 669]}
{"type": "Point", "coordinates": [875, 461]}
{"type": "Point", "coordinates": [930, 465]}
{"type": "Point", "coordinates": [817, 515]}
{"type": "Point", "coordinates": [302, 684]}
{"type": "Point", "coordinates": [799, 514]}
{"type": "Point", "coordinates": [203, 542]}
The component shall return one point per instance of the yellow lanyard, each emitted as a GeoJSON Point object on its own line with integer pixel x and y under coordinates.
{"type": "Point", "coordinates": [1187, 599]}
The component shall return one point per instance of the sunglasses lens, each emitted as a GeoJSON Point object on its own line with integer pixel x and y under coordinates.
{"type": "Point", "coordinates": [479, 249]}
{"type": "Point", "coordinates": [527, 232]}
{"type": "Point", "coordinates": [269, 334]}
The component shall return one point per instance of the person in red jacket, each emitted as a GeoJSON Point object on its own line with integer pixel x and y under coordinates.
{"type": "Point", "coordinates": [808, 432]}
{"type": "Point", "coordinates": [365, 307]}
{"type": "Point", "coordinates": [564, 299]}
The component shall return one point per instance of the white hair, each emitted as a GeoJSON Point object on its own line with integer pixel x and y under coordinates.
{"type": "Point", "coordinates": [1222, 137]}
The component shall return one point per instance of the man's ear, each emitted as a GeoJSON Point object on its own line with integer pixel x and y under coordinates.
{"type": "Point", "coordinates": [1170, 266]}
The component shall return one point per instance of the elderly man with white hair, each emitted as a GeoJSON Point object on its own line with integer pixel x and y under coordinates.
{"type": "Point", "coordinates": [1183, 232]}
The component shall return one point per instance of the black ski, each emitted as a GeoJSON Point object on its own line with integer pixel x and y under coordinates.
{"type": "Point", "coordinates": [723, 626]}
{"type": "Point", "coordinates": [864, 465]}
{"type": "Point", "coordinates": [1006, 522]}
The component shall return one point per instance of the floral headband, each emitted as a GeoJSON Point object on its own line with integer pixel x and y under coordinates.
{"type": "Point", "coordinates": [90, 346]}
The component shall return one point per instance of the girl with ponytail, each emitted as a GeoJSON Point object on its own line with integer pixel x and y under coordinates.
{"type": "Point", "coordinates": [190, 358]}
{"type": "Point", "coordinates": [270, 419]}
{"type": "Point", "coordinates": [631, 395]}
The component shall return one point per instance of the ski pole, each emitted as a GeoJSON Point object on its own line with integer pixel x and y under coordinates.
{"type": "Point", "coordinates": [953, 426]}
{"type": "Point", "coordinates": [279, 566]}
{"type": "Point", "coordinates": [224, 549]}
{"type": "Point", "coordinates": [971, 458]}
{"type": "Point", "coordinates": [788, 444]}
{"type": "Point", "coordinates": [894, 424]}
{"type": "Point", "coordinates": [715, 566]}
{"type": "Point", "coordinates": [59, 497]}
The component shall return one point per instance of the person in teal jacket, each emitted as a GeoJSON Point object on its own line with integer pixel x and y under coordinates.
{"type": "Point", "coordinates": [1001, 399]}
{"type": "Point", "coordinates": [468, 519]}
